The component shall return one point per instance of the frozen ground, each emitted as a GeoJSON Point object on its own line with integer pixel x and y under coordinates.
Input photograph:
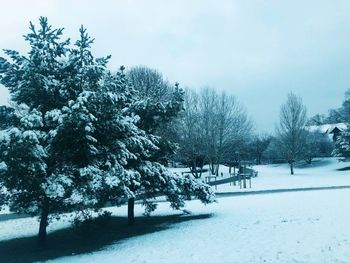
{"type": "Point", "coordinates": [285, 227]}
{"type": "Point", "coordinates": [322, 172]}
{"type": "Point", "coordinates": [282, 227]}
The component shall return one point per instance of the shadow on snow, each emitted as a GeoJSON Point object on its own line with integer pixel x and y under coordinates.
{"type": "Point", "coordinates": [86, 239]}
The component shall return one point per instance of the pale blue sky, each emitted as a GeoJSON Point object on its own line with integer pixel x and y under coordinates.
{"type": "Point", "coordinates": [256, 50]}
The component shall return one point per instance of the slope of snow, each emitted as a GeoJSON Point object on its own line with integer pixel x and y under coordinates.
{"type": "Point", "coordinates": [286, 227]}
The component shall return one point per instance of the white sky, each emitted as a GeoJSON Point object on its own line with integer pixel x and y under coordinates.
{"type": "Point", "coordinates": [256, 50]}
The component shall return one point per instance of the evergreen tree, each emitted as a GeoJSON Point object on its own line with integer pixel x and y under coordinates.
{"type": "Point", "coordinates": [75, 140]}
{"type": "Point", "coordinates": [159, 105]}
{"type": "Point", "coordinates": [342, 145]}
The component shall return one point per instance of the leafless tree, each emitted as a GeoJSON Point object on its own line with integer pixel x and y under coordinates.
{"type": "Point", "coordinates": [260, 143]}
{"type": "Point", "coordinates": [291, 129]}
{"type": "Point", "coordinates": [191, 139]}
{"type": "Point", "coordinates": [316, 144]}
{"type": "Point", "coordinates": [209, 124]}
{"type": "Point", "coordinates": [149, 83]}
{"type": "Point", "coordinates": [225, 125]}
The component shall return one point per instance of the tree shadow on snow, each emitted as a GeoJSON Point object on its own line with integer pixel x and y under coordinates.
{"type": "Point", "coordinates": [315, 163]}
{"type": "Point", "coordinates": [86, 239]}
{"type": "Point", "coordinates": [347, 168]}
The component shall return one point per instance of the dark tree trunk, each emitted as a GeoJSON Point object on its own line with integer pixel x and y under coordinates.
{"type": "Point", "coordinates": [43, 224]}
{"type": "Point", "coordinates": [200, 173]}
{"type": "Point", "coordinates": [234, 174]}
{"type": "Point", "coordinates": [258, 160]}
{"type": "Point", "coordinates": [131, 216]}
{"type": "Point", "coordinates": [212, 168]}
{"type": "Point", "coordinates": [195, 169]}
{"type": "Point", "coordinates": [291, 168]}
{"type": "Point", "coordinates": [217, 166]}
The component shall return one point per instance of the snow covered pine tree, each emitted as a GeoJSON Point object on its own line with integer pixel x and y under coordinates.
{"type": "Point", "coordinates": [342, 144]}
{"type": "Point", "coordinates": [74, 142]}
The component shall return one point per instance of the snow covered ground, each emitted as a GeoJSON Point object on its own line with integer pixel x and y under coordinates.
{"type": "Point", "coordinates": [322, 172]}
{"type": "Point", "coordinates": [281, 227]}
{"type": "Point", "coordinates": [285, 227]}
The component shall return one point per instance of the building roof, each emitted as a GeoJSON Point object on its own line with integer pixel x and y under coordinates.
{"type": "Point", "coordinates": [327, 128]}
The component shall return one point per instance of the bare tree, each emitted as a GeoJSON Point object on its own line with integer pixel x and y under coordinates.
{"type": "Point", "coordinates": [225, 125]}
{"type": "Point", "coordinates": [316, 144]}
{"type": "Point", "coordinates": [236, 146]}
{"type": "Point", "coordinates": [209, 125]}
{"type": "Point", "coordinates": [291, 129]}
{"type": "Point", "coordinates": [159, 105]}
{"type": "Point", "coordinates": [259, 144]}
{"type": "Point", "coordinates": [213, 124]}
{"type": "Point", "coordinates": [149, 83]}
{"type": "Point", "coordinates": [191, 139]}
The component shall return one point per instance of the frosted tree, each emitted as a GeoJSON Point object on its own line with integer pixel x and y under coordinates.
{"type": "Point", "coordinates": [75, 141]}
{"type": "Point", "coordinates": [158, 104]}
{"type": "Point", "coordinates": [291, 129]}
{"type": "Point", "coordinates": [48, 87]}
{"type": "Point", "coordinates": [342, 144]}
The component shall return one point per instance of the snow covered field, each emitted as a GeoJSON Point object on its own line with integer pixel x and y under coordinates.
{"type": "Point", "coordinates": [311, 226]}
{"type": "Point", "coordinates": [322, 172]}
{"type": "Point", "coordinates": [285, 227]}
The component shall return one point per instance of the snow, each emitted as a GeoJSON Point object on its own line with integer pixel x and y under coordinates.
{"type": "Point", "coordinates": [321, 173]}
{"type": "Point", "coordinates": [25, 227]}
{"type": "Point", "coordinates": [285, 227]}
{"type": "Point", "coordinates": [326, 128]}
{"type": "Point", "coordinates": [308, 226]}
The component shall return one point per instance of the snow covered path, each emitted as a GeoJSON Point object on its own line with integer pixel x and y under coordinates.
{"type": "Point", "coordinates": [286, 227]}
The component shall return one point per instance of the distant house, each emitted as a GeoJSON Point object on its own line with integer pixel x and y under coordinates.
{"type": "Point", "coordinates": [333, 130]}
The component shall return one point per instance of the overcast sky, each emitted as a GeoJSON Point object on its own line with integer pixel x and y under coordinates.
{"type": "Point", "coordinates": [256, 50]}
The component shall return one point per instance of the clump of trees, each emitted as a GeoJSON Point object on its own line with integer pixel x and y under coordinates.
{"type": "Point", "coordinates": [259, 145]}
{"type": "Point", "coordinates": [78, 136]}
{"type": "Point", "coordinates": [214, 130]}
{"type": "Point", "coordinates": [339, 115]}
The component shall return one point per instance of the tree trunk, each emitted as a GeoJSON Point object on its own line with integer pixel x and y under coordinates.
{"type": "Point", "coordinates": [212, 168]}
{"type": "Point", "coordinates": [258, 160]}
{"type": "Point", "coordinates": [234, 174]}
{"type": "Point", "coordinates": [217, 169]}
{"type": "Point", "coordinates": [244, 181]}
{"type": "Point", "coordinates": [201, 167]}
{"type": "Point", "coordinates": [43, 224]}
{"type": "Point", "coordinates": [131, 216]}
{"type": "Point", "coordinates": [291, 168]}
